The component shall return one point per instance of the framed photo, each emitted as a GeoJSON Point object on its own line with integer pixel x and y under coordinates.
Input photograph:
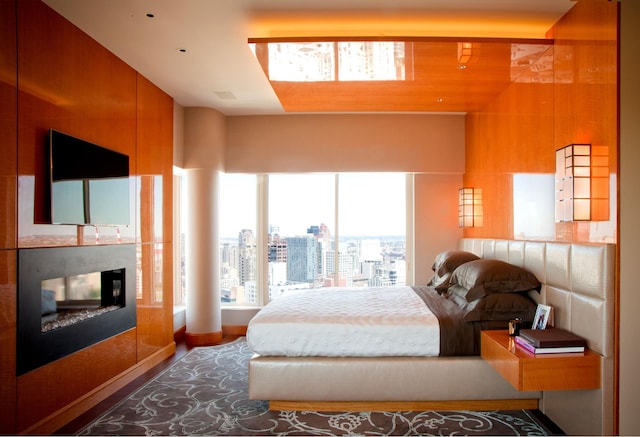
{"type": "Point", "coordinates": [542, 317]}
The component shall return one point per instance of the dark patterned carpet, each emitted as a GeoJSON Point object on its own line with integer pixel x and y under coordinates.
{"type": "Point", "coordinates": [205, 393]}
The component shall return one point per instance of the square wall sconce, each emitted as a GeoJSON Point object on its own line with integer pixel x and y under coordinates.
{"type": "Point", "coordinates": [574, 183]}
{"type": "Point", "coordinates": [469, 207]}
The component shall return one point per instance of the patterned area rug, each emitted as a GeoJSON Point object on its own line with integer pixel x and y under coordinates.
{"type": "Point", "coordinates": [205, 393]}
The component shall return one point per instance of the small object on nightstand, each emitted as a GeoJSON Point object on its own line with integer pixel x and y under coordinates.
{"type": "Point", "coordinates": [514, 327]}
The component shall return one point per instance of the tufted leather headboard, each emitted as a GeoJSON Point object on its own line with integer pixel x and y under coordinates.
{"type": "Point", "coordinates": [578, 281]}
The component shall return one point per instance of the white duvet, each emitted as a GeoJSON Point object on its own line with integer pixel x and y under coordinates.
{"type": "Point", "coordinates": [388, 321]}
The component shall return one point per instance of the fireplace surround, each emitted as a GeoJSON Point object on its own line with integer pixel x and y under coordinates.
{"type": "Point", "coordinates": [109, 309]}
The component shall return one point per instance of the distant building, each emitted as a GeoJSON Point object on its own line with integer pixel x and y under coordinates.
{"type": "Point", "coordinates": [302, 259]}
{"type": "Point", "coordinates": [344, 266]}
{"type": "Point", "coordinates": [246, 256]}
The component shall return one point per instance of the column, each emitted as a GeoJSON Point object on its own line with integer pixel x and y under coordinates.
{"type": "Point", "coordinates": [204, 143]}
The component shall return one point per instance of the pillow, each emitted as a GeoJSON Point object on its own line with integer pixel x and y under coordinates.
{"type": "Point", "coordinates": [485, 276]}
{"type": "Point", "coordinates": [444, 265]}
{"type": "Point", "coordinates": [502, 306]}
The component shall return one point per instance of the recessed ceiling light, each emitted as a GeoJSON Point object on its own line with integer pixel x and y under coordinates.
{"type": "Point", "coordinates": [462, 67]}
{"type": "Point", "coordinates": [182, 50]}
{"type": "Point", "coordinates": [439, 100]}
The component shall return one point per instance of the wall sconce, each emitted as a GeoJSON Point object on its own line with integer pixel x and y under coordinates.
{"type": "Point", "coordinates": [469, 207]}
{"type": "Point", "coordinates": [465, 50]}
{"type": "Point", "coordinates": [573, 183]}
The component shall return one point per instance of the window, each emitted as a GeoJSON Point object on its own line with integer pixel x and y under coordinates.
{"type": "Point", "coordinates": [238, 238]}
{"type": "Point", "coordinates": [372, 225]}
{"type": "Point", "coordinates": [179, 206]}
{"type": "Point", "coordinates": [301, 221]}
{"type": "Point", "coordinates": [318, 230]}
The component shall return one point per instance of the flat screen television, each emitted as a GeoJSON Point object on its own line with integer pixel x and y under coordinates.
{"type": "Point", "coordinates": [89, 183]}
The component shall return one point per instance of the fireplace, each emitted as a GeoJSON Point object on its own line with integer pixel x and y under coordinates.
{"type": "Point", "coordinates": [70, 298]}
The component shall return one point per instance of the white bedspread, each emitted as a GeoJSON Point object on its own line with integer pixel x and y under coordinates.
{"type": "Point", "coordinates": [388, 321]}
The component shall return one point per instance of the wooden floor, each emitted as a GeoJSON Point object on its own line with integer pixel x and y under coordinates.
{"type": "Point", "coordinates": [80, 422]}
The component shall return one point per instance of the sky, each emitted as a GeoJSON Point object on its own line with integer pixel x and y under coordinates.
{"type": "Point", "coordinates": [370, 204]}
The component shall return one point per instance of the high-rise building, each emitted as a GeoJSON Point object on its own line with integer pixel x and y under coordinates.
{"type": "Point", "coordinates": [246, 256]}
{"type": "Point", "coordinates": [302, 259]}
{"type": "Point", "coordinates": [345, 266]}
{"type": "Point", "coordinates": [277, 248]}
{"type": "Point", "coordinates": [229, 277]}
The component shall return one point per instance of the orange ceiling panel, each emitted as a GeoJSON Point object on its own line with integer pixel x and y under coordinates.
{"type": "Point", "coordinates": [435, 80]}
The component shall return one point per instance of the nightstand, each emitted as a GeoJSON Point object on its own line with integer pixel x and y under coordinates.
{"type": "Point", "coordinates": [527, 371]}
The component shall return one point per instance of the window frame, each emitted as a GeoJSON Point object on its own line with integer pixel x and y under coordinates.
{"type": "Point", "coordinates": [262, 232]}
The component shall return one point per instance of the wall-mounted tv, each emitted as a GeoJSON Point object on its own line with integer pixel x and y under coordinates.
{"type": "Point", "coordinates": [89, 183]}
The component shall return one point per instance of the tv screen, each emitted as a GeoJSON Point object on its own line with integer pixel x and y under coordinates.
{"type": "Point", "coordinates": [89, 183]}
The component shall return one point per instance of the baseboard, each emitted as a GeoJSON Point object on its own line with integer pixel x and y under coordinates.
{"type": "Point", "coordinates": [234, 330]}
{"type": "Point", "coordinates": [178, 335]}
{"type": "Point", "coordinates": [55, 421]}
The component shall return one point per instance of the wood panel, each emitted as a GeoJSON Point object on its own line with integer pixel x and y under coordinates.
{"type": "Point", "coordinates": [70, 83]}
{"type": "Point", "coordinates": [526, 371]}
{"type": "Point", "coordinates": [497, 197]}
{"type": "Point", "coordinates": [58, 384]}
{"type": "Point", "coordinates": [435, 79]}
{"type": "Point", "coordinates": [519, 131]}
{"type": "Point", "coordinates": [8, 125]}
{"type": "Point", "coordinates": [155, 159]}
{"type": "Point", "coordinates": [155, 180]}
{"type": "Point", "coordinates": [8, 309]}
{"type": "Point", "coordinates": [586, 101]}
{"type": "Point", "coordinates": [8, 228]}
{"type": "Point", "coordinates": [92, 398]}
{"type": "Point", "coordinates": [155, 300]}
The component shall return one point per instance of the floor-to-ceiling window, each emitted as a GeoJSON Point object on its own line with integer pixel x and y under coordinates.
{"type": "Point", "coordinates": [301, 222]}
{"type": "Point", "coordinates": [179, 290]}
{"type": "Point", "coordinates": [318, 230]}
{"type": "Point", "coordinates": [238, 233]}
{"type": "Point", "coordinates": [372, 229]}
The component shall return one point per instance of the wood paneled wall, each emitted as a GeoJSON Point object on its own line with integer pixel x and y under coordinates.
{"type": "Point", "coordinates": [55, 76]}
{"type": "Point", "coordinates": [8, 189]}
{"type": "Point", "coordinates": [520, 131]}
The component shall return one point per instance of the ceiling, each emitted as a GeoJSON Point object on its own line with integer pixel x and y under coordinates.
{"type": "Point", "coordinates": [197, 51]}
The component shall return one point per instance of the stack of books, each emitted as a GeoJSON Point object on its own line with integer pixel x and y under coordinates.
{"type": "Point", "coordinates": [550, 341]}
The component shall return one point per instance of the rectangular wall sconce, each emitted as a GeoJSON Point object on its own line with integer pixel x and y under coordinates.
{"type": "Point", "coordinates": [469, 207]}
{"type": "Point", "coordinates": [573, 183]}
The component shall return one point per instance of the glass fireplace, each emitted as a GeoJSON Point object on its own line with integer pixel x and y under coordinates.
{"type": "Point", "coordinates": [72, 297]}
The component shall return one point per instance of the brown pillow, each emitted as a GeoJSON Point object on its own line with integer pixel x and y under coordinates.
{"type": "Point", "coordinates": [444, 265]}
{"type": "Point", "coordinates": [502, 306]}
{"type": "Point", "coordinates": [485, 276]}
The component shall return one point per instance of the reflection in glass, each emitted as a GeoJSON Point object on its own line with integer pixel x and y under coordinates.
{"type": "Point", "coordinates": [356, 61]}
{"type": "Point", "coordinates": [71, 299]}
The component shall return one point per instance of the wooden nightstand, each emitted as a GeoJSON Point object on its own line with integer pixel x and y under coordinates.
{"type": "Point", "coordinates": [526, 371]}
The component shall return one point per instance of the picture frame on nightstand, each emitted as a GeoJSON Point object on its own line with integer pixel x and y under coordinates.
{"type": "Point", "coordinates": [541, 319]}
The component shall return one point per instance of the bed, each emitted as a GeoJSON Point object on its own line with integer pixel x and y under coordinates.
{"type": "Point", "coordinates": [344, 368]}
